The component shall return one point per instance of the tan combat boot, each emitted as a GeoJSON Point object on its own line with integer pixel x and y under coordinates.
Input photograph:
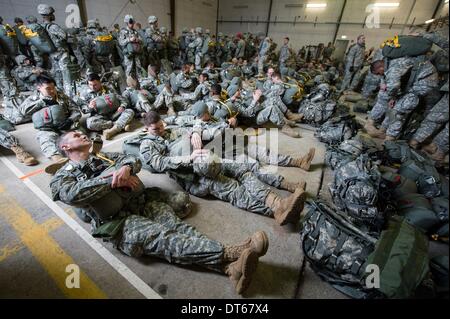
{"type": "Point", "coordinates": [289, 131]}
{"type": "Point", "coordinates": [54, 167]}
{"type": "Point", "coordinates": [438, 156]}
{"type": "Point", "coordinates": [378, 133]}
{"type": "Point", "coordinates": [128, 128]}
{"type": "Point", "coordinates": [288, 209]}
{"type": "Point", "coordinates": [241, 271]}
{"type": "Point", "coordinates": [258, 242]}
{"type": "Point", "coordinates": [56, 158]}
{"type": "Point", "coordinates": [291, 187]}
{"type": "Point", "coordinates": [304, 162]}
{"type": "Point", "coordinates": [110, 133]}
{"type": "Point", "coordinates": [293, 116]}
{"type": "Point", "coordinates": [23, 156]}
{"type": "Point", "coordinates": [370, 128]}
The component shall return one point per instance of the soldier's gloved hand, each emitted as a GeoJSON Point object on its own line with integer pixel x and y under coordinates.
{"type": "Point", "coordinates": [120, 177]}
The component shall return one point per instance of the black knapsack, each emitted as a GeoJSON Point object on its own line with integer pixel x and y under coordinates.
{"type": "Point", "coordinates": [336, 250]}
{"type": "Point", "coordinates": [406, 45]}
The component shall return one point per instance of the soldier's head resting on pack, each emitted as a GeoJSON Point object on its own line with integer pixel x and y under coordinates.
{"type": "Point", "coordinates": [74, 145]}
{"type": "Point", "coordinates": [94, 82]}
{"type": "Point", "coordinates": [377, 67]}
{"type": "Point", "coordinates": [154, 124]}
{"type": "Point", "coordinates": [46, 85]}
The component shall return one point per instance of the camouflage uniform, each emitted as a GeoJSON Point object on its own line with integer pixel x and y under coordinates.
{"type": "Point", "coordinates": [240, 49]}
{"type": "Point", "coordinates": [200, 92]}
{"type": "Point", "coordinates": [434, 121]}
{"type": "Point", "coordinates": [354, 61]}
{"type": "Point", "coordinates": [154, 42]}
{"type": "Point", "coordinates": [7, 140]}
{"type": "Point", "coordinates": [273, 107]}
{"type": "Point", "coordinates": [235, 184]}
{"type": "Point", "coordinates": [47, 138]}
{"type": "Point", "coordinates": [131, 61]}
{"type": "Point", "coordinates": [24, 73]}
{"type": "Point", "coordinates": [7, 87]}
{"type": "Point", "coordinates": [441, 140]}
{"type": "Point", "coordinates": [143, 104]}
{"type": "Point", "coordinates": [262, 55]}
{"type": "Point", "coordinates": [426, 79]}
{"type": "Point", "coordinates": [97, 122]}
{"type": "Point", "coordinates": [284, 56]}
{"type": "Point", "coordinates": [143, 226]}
{"type": "Point", "coordinates": [197, 46]}
{"type": "Point", "coordinates": [371, 84]}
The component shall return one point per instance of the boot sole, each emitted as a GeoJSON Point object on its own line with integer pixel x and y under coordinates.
{"type": "Point", "coordinates": [294, 209]}
{"type": "Point", "coordinates": [250, 263]}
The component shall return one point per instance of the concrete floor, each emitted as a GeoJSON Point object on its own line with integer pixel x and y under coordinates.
{"type": "Point", "coordinates": [36, 245]}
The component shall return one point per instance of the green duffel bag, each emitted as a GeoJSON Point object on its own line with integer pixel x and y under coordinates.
{"type": "Point", "coordinates": [440, 273]}
{"type": "Point", "coordinates": [107, 104]}
{"type": "Point", "coordinates": [50, 117]}
{"type": "Point", "coordinates": [8, 40]}
{"type": "Point", "coordinates": [401, 255]}
{"type": "Point", "coordinates": [418, 211]}
{"type": "Point", "coordinates": [39, 38]}
{"type": "Point", "coordinates": [403, 185]}
{"type": "Point", "coordinates": [405, 45]}
{"type": "Point", "coordinates": [6, 125]}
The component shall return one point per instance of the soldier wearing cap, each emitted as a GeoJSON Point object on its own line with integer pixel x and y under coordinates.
{"type": "Point", "coordinates": [132, 47]}
{"type": "Point", "coordinates": [60, 59]}
{"type": "Point", "coordinates": [154, 41]}
{"type": "Point", "coordinates": [197, 46]}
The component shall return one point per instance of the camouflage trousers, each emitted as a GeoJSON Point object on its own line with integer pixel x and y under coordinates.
{"type": "Point", "coordinates": [198, 61]}
{"type": "Point", "coordinates": [132, 66]}
{"type": "Point", "coordinates": [102, 122]}
{"type": "Point", "coordinates": [7, 87]}
{"type": "Point", "coordinates": [371, 84]}
{"type": "Point", "coordinates": [234, 169]}
{"type": "Point", "coordinates": [441, 140]}
{"type": "Point", "coordinates": [271, 114]}
{"type": "Point", "coordinates": [399, 114]}
{"type": "Point", "coordinates": [359, 77]}
{"type": "Point", "coordinates": [246, 191]}
{"type": "Point", "coordinates": [164, 98]}
{"type": "Point", "coordinates": [350, 80]}
{"type": "Point", "coordinates": [160, 233]}
{"type": "Point", "coordinates": [434, 121]}
{"type": "Point", "coordinates": [266, 156]}
{"type": "Point", "coordinates": [101, 64]}
{"type": "Point", "coordinates": [261, 63]}
{"type": "Point", "coordinates": [378, 111]}
{"type": "Point", "coordinates": [59, 61]}
{"type": "Point", "coordinates": [48, 143]}
{"type": "Point", "coordinates": [7, 140]}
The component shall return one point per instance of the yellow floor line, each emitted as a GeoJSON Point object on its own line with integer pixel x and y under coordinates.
{"type": "Point", "coordinates": [10, 249]}
{"type": "Point", "coordinates": [45, 249]}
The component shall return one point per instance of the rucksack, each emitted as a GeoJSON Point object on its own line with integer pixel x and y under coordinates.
{"type": "Point", "coordinates": [354, 190]}
{"type": "Point", "coordinates": [131, 146]}
{"type": "Point", "coordinates": [39, 37]}
{"type": "Point", "coordinates": [50, 117]}
{"type": "Point", "coordinates": [405, 46]}
{"type": "Point", "coordinates": [336, 250]}
{"type": "Point", "coordinates": [424, 174]}
{"type": "Point", "coordinates": [107, 104]}
{"type": "Point", "coordinates": [336, 130]}
{"type": "Point", "coordinates": [317, 113]}
{"type": "Point", "coordinates": [103, 44]}
{"type": "Point", "coordinates": [8, 40]}
{"type": "Point", "coordinates": [6, 125]}
{"type": "Point", "coordinates": [401, 255]}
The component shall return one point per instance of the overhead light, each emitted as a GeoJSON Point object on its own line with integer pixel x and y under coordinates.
{"type": "Point", "coordinates": [429, 21]}
{"type": "Point", "coordinates": [316, 5]}
{"type": "Point", "coordinates": [387, 4]}
{"type": "Point", "coordinates": [343, 37]}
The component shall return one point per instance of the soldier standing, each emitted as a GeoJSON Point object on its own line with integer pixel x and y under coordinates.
{"type": "Point", "coordinates": [353, 63]}
{"type": "Point", "coordinates": [132, 48]}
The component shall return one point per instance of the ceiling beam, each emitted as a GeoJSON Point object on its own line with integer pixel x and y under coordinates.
{"type": "Point", "coordinates": [438, 6]}
{"type": "Point", "coordinates": [339, 21]}
{"type": "Point", "coordinates": [268, 18]}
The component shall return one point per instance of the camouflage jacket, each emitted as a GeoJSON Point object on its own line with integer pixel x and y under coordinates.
{"type": "Point", "coordinates": [79, 184]}
{"type": "Point", "coordinates": [240, 49]}
{"type": "Point", "coordinates": [86, 95]}
{"type": "Point", "coordinates": [153, 38]}
{"type": "Point", "coordinates": [125, 36]}
{"type": "Point", "coordinates": [57, 35]}
{"type": "Point", "coordinates": [37, 102]}
{"type": "Point", "coordinates": [355, 57]}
